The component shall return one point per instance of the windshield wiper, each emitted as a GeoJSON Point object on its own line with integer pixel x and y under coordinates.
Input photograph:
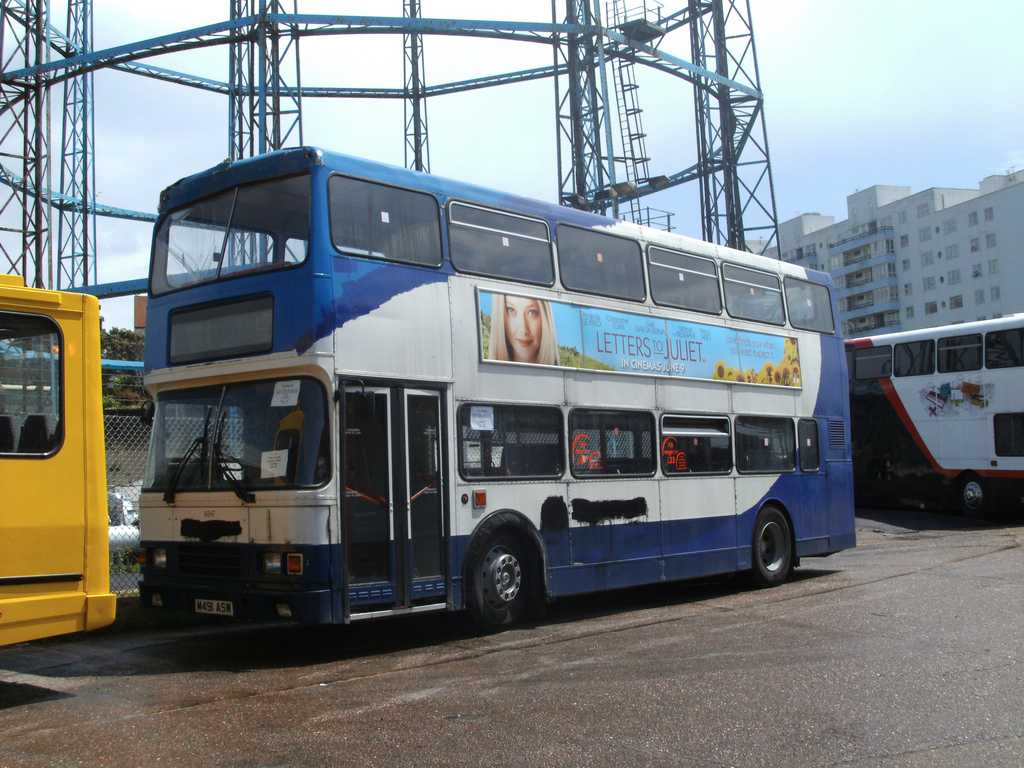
{"type": "Point", "coordinates": [172, 485]}
{"type": "Point", "coordinates": [228, 472]}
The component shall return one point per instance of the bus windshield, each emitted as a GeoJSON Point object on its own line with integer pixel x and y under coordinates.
{"type": "Point", "coordinates": [245, 229]}
{"type": "Point", "coordinates": [239, 437]}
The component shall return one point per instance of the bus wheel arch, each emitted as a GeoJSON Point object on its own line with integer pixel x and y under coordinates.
{"type": "Point", "coordinates": [971, 495]}
{"type": "Point", "coordinates": [773, 546]}
{"type": "Point", "coordinates": [504, 571]}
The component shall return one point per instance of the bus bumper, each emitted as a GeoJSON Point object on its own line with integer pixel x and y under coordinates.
{"type": "Point", "coordinates": [313, 606]}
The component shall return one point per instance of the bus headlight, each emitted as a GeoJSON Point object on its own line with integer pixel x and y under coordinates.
{"type": "Point", "coordinates": [272, 562]}
{"type": "Point", "coordinates": [159, 559]}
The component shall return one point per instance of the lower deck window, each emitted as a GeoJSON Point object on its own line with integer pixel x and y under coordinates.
{"type": "Point", "coordinates": [691, 444]}
{"type": "Point", "coordinates": [611, 443]}
{"type": "Point", "coordinates": [765, 444]}
{"type": "Point", "coordinates": [1009, 432]}
{"type": "Point", "coordinates": [506, 441]}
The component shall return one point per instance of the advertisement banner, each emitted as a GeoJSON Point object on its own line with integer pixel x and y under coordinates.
{"type": "Point", "coordinates": [541, 332]}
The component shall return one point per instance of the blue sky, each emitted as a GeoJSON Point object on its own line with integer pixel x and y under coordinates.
{"type": "Point", "coordinates": [919, 93]}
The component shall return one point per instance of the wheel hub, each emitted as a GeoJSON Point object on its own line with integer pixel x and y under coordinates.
{"type": "Point", "coordinates": [771, 547]}
{"type": "Point", "coordinates": [502, 577]}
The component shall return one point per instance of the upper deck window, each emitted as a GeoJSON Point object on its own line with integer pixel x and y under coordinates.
{"type": "Point", "coordinates": [810, 306]}
{"type": "Point", "coordinates": [1004, 349]}
{"type": "Point", "coordinates": [494, 244]}
{"type": "Point", "coordinates": [384, 222]}
{"type": "Point", "coordinates": [599, 263]}
{"type": "Point", "coordinates": [246, 229]}
{"type": "Point", "coordinates": [684, 281]}
{"type": "Point", "coordinates": [959, 353]}
{"type": "Point", "coordinates": [914, 358]}
{"type": "Point", "coordinates": [753, 295]}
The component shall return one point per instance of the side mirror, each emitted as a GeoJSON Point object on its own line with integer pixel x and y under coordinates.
{"type": "Point", "coordinates": [146, 414]}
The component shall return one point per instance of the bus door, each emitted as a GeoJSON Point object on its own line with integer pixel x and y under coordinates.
{"type": "Point", "coordinates": [393, 515]}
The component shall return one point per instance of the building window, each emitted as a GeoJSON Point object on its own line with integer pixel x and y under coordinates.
{"type": "Point", "coordinates": [927, 259]}
{"type": "Point", "coordinates": [975, 244]}
{"type": "Point", "coordinates": [972, 219]}
{"type": "Point", "coordinates": [948, 226]}
{"type": "Point", "coordinates": [903, 217]}
{"type": "Point", "coordinates": [956, 302]}
{"type": "Point", "coordinates": [931, 307]}
{"type": "Point", "coordinates": [976, 270]}
{"type": "Point", "coordinates": [923, 210]}
{"type": "Point", "coordinates": [910, 313]}
{"type": "Point", "coordinates": [990, 240]}
{"type": "Point", "coordinates": [989, 215]}
{"type": "Point", "coordinates": [904, 241]}
{"type": "Point", "coordinates": [923, 234]}
{"type": "Point", "coordinates": [979, 296]}
{"type": "Point", "coordinates": [993, 266]}
{"type": "Point", "coordinates": [954, 276]}
{"type": "Point", "coordinates": [890, 245]}
{"type": "Point", "coordinates": [906, 265]}
{"type": "Point", "coordinates": [953, 251]}
{"type": "Point", "coordinates": [908, 289]}
{"type": "Point", "coordinates": [993, 293]}
{"type": "Point", "coordinates": [929, 283]}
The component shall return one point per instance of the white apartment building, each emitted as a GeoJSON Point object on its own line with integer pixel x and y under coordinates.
{"type": "Point", "coordinates": [903, 261]}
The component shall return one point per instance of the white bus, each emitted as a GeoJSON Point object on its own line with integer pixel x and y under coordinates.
{"type": "Point", "coordinates": [938, 417]}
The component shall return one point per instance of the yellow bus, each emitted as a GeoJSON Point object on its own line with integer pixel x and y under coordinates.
{"type": "Point", "coordinates": [54, 561]}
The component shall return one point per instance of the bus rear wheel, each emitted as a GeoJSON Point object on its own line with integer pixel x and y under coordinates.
{"type": "Point", "coordinates": [498, 583]}
{"type": "Point", "coordinates": [772, 554]}
{"type": "Point", "coordinates": [972, 500]}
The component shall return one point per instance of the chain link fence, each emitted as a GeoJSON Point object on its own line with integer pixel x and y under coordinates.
{"type": "Point", "coordinates": [127, 442]}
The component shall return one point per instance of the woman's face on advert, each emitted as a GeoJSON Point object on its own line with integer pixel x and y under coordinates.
{"type": "Point", "coordinates": [523, 328]}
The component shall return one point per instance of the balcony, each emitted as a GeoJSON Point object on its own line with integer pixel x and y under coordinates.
{"type": "Point", "coordinates": [856, 241]}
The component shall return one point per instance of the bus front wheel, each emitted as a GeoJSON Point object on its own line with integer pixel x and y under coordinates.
{"type": "Point", "coordinates": [498, 582]}
{"type": "Point", "coordinates": [772, 554]}
{"type": "Point", "coordinates": [971, 498]}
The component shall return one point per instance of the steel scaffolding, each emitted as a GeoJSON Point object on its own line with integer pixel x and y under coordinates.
{"type": "Point", "coordinates": [265, 96]}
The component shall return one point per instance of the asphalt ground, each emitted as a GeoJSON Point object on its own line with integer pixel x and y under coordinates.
{"type": "Point", "coordinates": [906, 651]}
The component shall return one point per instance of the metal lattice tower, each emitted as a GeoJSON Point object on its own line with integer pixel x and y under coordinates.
{"type": "Point", "coordinates": [265, 110]}
{"type": "Point", "coordinates": [76, 226]}
{"type": "Point", "coordinates": [265, 96]}
{"type": "Point", "coordinates": [584, 166]}
{"type": "Point", "coordinates": [24, 128]}
{"type": "Point", "coordinates": [417, 150]}
{"type": "Point", "coordinates": [637, 25]}
{"type": "Point", "coordinates": [736, 190]}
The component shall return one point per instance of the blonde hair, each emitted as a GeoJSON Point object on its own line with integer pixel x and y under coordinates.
{"type": "Point", "coordinates": [500, 349]}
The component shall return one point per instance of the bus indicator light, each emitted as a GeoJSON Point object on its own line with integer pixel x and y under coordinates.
{"type": "Point", "coordinates": [294, 564]}
{"type": "Point", "coordinates": [479, 499]}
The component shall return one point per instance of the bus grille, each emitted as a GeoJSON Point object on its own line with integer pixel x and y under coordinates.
{"type": "Point", "coordinates": [210, 560]}
{"type": "Point", "coordinates": [835, 435]}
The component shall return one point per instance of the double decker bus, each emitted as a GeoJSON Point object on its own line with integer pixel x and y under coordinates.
{"type": "Point", "coordinates": [938, 417]}
{"type": "Point", "coordinates": [54, 560]}
{"type": "Point", "coordinates": [379, 392]}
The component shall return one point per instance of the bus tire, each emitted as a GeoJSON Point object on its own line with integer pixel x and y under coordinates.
{"type": "Point", "coordinates": [498, 582]}
{"type": "Point", "coordinates": [772, 548]}
{"type": "Point", "coordinates": [971, 497]}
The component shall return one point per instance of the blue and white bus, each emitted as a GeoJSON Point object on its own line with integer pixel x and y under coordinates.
{"type": "Point", "coordinates": [380, 392]}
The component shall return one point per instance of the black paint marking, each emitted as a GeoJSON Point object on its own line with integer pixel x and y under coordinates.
{"type": "Point", "coordinates": [554, 515]}
{"type": "Point", "coordinates": [594, 512]}
{"type": "Point", "coordinates": [210, 530]}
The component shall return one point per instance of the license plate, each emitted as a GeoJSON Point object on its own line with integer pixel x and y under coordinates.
{"type": "Point", "coordinates": [216, 607]}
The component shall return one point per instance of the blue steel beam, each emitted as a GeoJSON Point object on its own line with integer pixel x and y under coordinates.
{"type": "Point", "coordinates": [112, 290]}
{"type": "Point", "coordinates": [312, 25]}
